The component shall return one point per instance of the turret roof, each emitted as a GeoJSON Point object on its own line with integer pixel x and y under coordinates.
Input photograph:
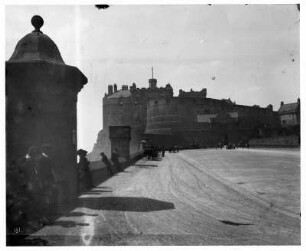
{"type": "Point", "coordinates": [36, 46]}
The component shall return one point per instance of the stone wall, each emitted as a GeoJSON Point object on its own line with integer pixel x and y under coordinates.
{"type": "Point", "coordinates": [205, 121]}
{"type": "Point", "coordinates": [41, 109]}
{"type": "Point", "coordinates": [154, 114]}
{"type": "Point", "coordinates": [99, 172]}
{"type": "Point", "coordinates": [286, 141]}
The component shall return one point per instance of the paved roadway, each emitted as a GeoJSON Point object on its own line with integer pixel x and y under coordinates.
{"type": "Point", "coordinates": [195, 197]}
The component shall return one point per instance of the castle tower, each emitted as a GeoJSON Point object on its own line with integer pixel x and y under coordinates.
{"type": "Point", "coordinates": [152, 81]}
{"type": "Point", "coordinates": [41, 106]}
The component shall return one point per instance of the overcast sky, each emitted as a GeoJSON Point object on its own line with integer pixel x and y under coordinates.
{"type": "Point", "coordinates": [249, 53]}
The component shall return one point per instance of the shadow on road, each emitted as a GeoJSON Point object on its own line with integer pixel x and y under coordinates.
{"type": "Point", "coordinates": [133, 204]}
{"type": "Point", "coordinates": [103, 187]}
{"type": "Point", "coordinates": [95, 192]}
{"type": "Point", "coordinates": [68, 224]}
{"type": "Point", "coordinates": [153, 159]}
{"type": "Point", "coordinates": [145, 166]}
{"type": "Point", "coordinates": [235, 223]}
{"type": "Point", "coordinates": [79, 214]}
{"type": "Point", "coordinates": [106, 189]}
{"type": "Point", "coordinates": [19, 240]}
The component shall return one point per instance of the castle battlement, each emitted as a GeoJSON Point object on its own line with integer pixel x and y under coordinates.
{"type": "Point", "coordinates": [153, 113]}
{"type": "Point", "coordinates": [193, 94]}
{"type": "Point", "coordinates": [148, 93]}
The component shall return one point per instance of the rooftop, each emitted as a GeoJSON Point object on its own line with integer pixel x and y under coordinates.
{"type": "Point", "coordinates": [121, 93]}
{"type": "Point", "coordinates": [288, 108]}
{"type": "Point", "coordinates": [36, 46]}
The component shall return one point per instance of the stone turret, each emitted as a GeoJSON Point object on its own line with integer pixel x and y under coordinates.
{"type": "Point", "coordinates": [110, 89]}
{"type": "Point", "coordinates": [133, 87]}
{"type": "Point", "coordinates": [42, 93]}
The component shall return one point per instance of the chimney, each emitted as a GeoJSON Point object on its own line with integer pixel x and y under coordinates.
{"type": "Point", "coordinates": [110, 89]}
{"type": "Point", "coordinates": [298, 100]}
{"type": "Point", "coordinates": [282, 103]}
{"type": "Point", "coordinates": [204, 92]}
{"type": "Point", "coordinates": [133, 87]}
{"type": "Point", "coordinates": [115, 88]}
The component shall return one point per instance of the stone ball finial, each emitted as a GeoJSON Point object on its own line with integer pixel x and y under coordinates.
{"type": "Point", "coordinates": [37, 22]}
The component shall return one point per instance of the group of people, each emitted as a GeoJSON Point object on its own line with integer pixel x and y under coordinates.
{"type": "Point", "coordinates": [174, 149]}
{"type": "Point", "coordinates": [85, 181]}
{"type": "Point", "coordinates": [31, 188]}
{"type": "Point", "coordinates": [230, 145]}
{"type": "Point", "coordinates": [116, 167]}
{"type": "Point", "coordinates": [151, 151]}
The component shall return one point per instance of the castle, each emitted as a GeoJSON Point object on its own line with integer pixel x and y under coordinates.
{"type": "Point", "coordinates": [155, 114]}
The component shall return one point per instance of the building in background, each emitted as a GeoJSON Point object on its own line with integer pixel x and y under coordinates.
{"type": "Point", "coordinates": [191, 118]}
{"type": "Point", "coordinates": [289, 117]}
{"type": "Point", "coordinates": [289, 114]}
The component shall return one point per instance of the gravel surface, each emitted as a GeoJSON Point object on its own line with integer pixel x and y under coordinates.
{"type": "Point", "coordinates": [194, 197]}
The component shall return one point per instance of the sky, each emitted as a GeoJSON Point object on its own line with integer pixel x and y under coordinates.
{"type": "Point", "coordinates": [248, 53]}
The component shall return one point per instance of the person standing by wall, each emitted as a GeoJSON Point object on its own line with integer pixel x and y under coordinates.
{"type": "Point", "coordinates": [85, 180]}
{"type": "Point", "coordinates": [22, 188]}
{"type": "Point", "coordinates": [107, 163]}
{"type": "Point", "coordinates": [47, 184]}
{"type": "Point", "coordinates": [115, 159]}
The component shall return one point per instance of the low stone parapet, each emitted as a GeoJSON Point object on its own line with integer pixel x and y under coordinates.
{"type": "Point", "coordinates": [284, 141]}
{"type": "Point", "coordinates": [100, 173]}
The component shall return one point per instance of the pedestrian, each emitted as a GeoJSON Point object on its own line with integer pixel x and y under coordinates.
{"type": "Point", "coordinates": [163, 151]}
{"type": "Point", "coordinates": [47, 184]}
{"type": "Point", "coordinates": [22, 191]}
{"type": "Point", "coordinates": [115, 159]}
{"type": "Point", "coordinates": [28, 167]}
{"type": "Point", "coordinates": [107, 163]}
{"type": "Point", "coordinates": [85, 180]}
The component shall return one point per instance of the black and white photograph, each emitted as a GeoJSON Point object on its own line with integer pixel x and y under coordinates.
{"type": "Point", "coordinates": [161, 124]}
